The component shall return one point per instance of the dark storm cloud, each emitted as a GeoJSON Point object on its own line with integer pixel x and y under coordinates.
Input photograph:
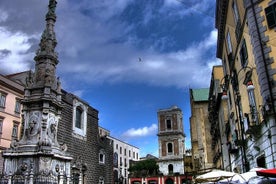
{"type": "Point", "coordinates": [4, 53]}
{"type": "Point", "coordinates": [24, 16]}
{"type": "Point", "coordinates": [33, 45]}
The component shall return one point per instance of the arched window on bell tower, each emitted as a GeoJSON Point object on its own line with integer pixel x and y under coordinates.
{"type": "Point", "coordinates": [170, 168]}
{"type": "Point", "coordinates": [170, 148]}
{"type": "Point", "coordinates": [168, 124]}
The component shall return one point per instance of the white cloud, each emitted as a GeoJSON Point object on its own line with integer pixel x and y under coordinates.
{"type": "Point", "coordinates": [210, 41]}
{"type": "Point", "coordinates": [17, 45]}
{"type": "Point", "coordinates": [87, 54]}
{"type": "Point", "coordinates": [119, 63]}
{"type": "Point", "coordinates": [171, 2]}
{"type": "Point", "coordinates": [93, 47]}
{"type": "Point", "coordinates": [190, 7]}
{"type": "Point", "coordinates": [141, 132]}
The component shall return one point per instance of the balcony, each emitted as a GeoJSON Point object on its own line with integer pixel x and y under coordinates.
{"type": "Point", "coordinates": [254, 130]}
{"type": "Point", "coordinates": [232, 148]}
{"type": "Point", "coordinates": [241, 143]}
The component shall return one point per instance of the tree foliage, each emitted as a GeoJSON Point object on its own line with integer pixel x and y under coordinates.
{"type": "Point", "coordinates": [149, 165]}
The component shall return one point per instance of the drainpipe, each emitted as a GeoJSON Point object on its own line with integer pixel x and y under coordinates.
{"type": "Point", "coordinates": [266, 71]}
{"type": "Point", "coordinates": [244, 157]}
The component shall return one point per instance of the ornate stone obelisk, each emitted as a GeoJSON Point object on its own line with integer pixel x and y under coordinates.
{"type": "Point", "coordinates": [38, 152]}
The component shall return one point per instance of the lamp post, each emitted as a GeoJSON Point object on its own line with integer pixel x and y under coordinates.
{"type": "Point", "coordinates": [244, 158]}
{"type": "Point", "coordinates": [75, 174]}
{"type": "Point", "coordinates": [78, 172]}
{"type": "Point", "coordinates": [121, 179]}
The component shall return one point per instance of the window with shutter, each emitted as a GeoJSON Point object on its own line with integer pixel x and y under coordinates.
{"type": "Point", "coordinates": [17, 106]}
{"type": "Point", "coordinates": [15, 130]}
{"type": "Point", "coordinates": [270, 14]}
{"type": "Point", "coordinates": [2, 99]}
{"type": "Point", "coordinates": [229, 44]}
{"type": "Point", "coordinates": [243, 54]}
{"type": "Point", "coordinates": [1, 125]}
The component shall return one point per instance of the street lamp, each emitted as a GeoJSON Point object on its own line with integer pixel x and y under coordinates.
{"type": "Point", "coordinates": [75, 173]}
{"type": "Point", "coordinates": [250, 86]}
{"type": "Point", "coordinates": [224, 95]}
{"type": "Point", "coordinates": [78, 172]}
{"type": "Point", "coordinates": [224, 86]}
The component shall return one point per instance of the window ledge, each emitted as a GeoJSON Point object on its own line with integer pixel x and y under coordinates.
{"type": "Point", "coordinates": [76, 135]}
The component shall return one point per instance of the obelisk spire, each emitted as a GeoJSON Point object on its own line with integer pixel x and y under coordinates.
{"type": "Point", "coordinates": [46, 58]}
{"type": "Point", "coordinates": [38, 150]}
{"type": "Point", "coordinates": [42, 102]}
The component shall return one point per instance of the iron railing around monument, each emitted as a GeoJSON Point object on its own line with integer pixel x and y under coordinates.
{"type": "Point", "coordinates": [34, 179]}
{"type": "Point", "coordinates": [4, 179]}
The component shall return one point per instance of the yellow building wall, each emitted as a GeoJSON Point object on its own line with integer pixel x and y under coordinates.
{"type": "Point", "coordinates": [271, 34]}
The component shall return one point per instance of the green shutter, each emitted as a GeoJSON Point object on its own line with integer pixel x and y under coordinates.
{"type": "Point", "coordinates": [243, 54]}
{"type": "Point", "coordinates": [245, 50]}
{"type": "Point", "coordinates": [271, 15]}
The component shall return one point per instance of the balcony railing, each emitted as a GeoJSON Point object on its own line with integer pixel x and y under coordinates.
{"type": "Point", "coordinates": [232, 148]}
{"type": "Point", "coordinates": [254, 130]}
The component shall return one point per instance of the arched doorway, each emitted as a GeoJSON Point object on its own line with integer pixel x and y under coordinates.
{"type": "Point", "coordinates": [136, 182]}
{"type": "Point", "coordinates": [116, 176]}
{"type": "Point", "coordinates": [169, 181]}
{"type": "Point", "coordinates": [170, 168]}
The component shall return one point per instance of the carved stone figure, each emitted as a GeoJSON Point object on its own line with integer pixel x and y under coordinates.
{"type": "Point", "coordinates": [48, 77]}
{"type": "Point", "coordinates": [29, 79]}
{"type": "Point", "coordinates": [33, 127]}
{"type": "Point", "coordinates": [64, 147]}
{"type": "Point", "coordinates": [52, 8]}
{"type": "Point", "coordinates": [58, 85]}
{"type": "Point", "coordinates": [53, 129]}
{"type": "Point", "coordinates": [39, 73]}
{"type": "Point", "coordinates": [14, 144]}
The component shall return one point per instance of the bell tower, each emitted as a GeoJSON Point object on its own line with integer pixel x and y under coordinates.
{"type": "Point", "coordinates": [38, 151]}
{"type": "Point", "coordinates": [171, 140]}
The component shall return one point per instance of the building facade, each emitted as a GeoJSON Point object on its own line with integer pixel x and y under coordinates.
{"type": "Point", "coordinates": [11, 94]}
{"type": "Point", "coordinates": [171, 141]}
{"type": "Point", "coordinates": [123, 154]}
{"type": "Point", "coordinates": [172, 154]}
{"type": "Point", "coordinates": [200, 128]}
{"type": "Point", "coordinates": [78, 129]}
{"type": "Point", "coordinates": [218, 119]}
{"type": "Point", "coordinates": [188, 163]}
{"type": "Point", "coordinates": [246, 47]}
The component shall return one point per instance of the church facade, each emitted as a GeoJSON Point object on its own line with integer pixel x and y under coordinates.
{"type": "Point", "coordinates": [171, 140]}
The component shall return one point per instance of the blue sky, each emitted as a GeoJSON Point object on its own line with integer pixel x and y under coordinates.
{"type": "Point", "coordinates": [126, 58]}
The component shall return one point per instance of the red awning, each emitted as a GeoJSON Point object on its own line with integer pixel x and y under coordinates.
{"type": "Point", "coordinates": [267, 173]}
